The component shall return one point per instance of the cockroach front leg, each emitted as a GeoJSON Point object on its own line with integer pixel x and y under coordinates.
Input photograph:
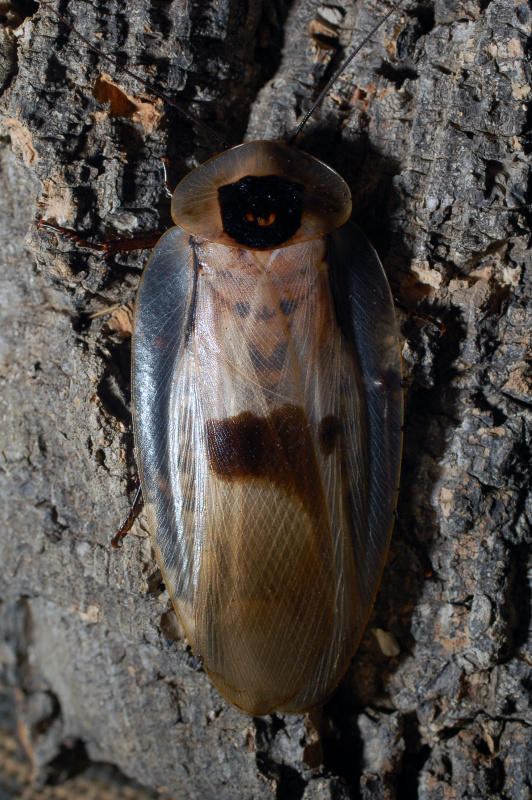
{"type": "Point", "coordinates": [132, 515]}
{"type": "Point", "coordinates": [106, 247]}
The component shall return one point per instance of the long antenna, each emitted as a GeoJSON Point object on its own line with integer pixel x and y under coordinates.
{"type": "Point", "coordinates": [152, 88]}
{"type": "Point", "coordinates": [339, 71]}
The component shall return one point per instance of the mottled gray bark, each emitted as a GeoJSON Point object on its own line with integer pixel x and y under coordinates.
{"type": "Point", "coordinates": [429, 128]}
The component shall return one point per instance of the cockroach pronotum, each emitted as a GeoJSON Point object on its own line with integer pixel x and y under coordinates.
{"type": "Point", "coordinates": [267, 416]}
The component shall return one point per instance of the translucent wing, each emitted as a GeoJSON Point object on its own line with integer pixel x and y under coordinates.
{"type": "Point", "coordinates": [254, 428]}
{"type": "Point", "coordinates": [366, 313]}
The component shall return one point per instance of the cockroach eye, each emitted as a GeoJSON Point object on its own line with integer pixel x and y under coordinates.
{"type": "Point", "coordinates": [261, 212]}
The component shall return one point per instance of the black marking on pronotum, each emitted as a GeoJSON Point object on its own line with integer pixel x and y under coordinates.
{"type": "Point", "coordinates": [189, 327]}
{"type": "Point", "coordinates": [261, 212]}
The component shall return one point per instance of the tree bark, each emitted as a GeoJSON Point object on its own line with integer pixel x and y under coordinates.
{"type": "Point", "coordinates": [429, 127]}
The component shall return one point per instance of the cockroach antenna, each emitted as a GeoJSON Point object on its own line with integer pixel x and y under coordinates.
{"type": "Point", "coordinates": [196, 120]}
{"type": "Point", "coordinates": [341, 69]}
{"type": "Point", "coordinates": [150, 86]}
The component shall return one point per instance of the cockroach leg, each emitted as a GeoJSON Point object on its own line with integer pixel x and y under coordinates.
{"type": "Point", "coordinates": [415, 312]}
{"type": "Point", "coordinates": [107, 247]}
{"type": "Point", "coordinates": [168, 190]}
{"type": "Point", "coordinates": [71, 236]}
{"type": "Point", "coordinates": [132, 515]}
{"type": "Point", "coordinates": [123, 245]}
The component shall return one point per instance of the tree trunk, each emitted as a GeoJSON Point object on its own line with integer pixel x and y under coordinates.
{"type": "Point", "coordinates": [428, 126]}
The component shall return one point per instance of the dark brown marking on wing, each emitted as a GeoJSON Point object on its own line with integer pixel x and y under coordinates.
{"type": "Point", "coordinates": [276, 449]}
{"type": "Point", "coordinates": [257, 359]}
{"type": "Point", "coordinates": [288, 307]}
{"type": "Point", "coordinates": [242, 309]}
{"type": "Point", "coordinates": [274, 361]}
{"type": "Point", "coordinates": [328, 433]}
{"type": "Point", "coordinates": [265, 313]}
{"type": "Point", "coordinates": [278, 356]}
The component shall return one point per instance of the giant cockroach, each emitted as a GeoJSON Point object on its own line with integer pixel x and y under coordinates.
{"type": "Point", "coordinates": [267, 415]}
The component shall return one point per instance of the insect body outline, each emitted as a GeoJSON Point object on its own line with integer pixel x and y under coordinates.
{"type": "Point", "coordinates": [267, 413]}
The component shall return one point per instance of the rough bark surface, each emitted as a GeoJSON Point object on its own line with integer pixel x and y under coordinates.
{"type": "Point", "coordinates": [429, 127]}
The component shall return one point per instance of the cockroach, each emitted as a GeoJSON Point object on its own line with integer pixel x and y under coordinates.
{"type": "Point", "coordinates": [267, 411]}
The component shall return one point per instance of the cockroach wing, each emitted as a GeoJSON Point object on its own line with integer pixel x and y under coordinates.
{"type": "Point", "coordinates": [264, 417]}
{"type": "Point", "coordinates": [164, 308]}
{"type": "Point", "coordinates": [366, 314]}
